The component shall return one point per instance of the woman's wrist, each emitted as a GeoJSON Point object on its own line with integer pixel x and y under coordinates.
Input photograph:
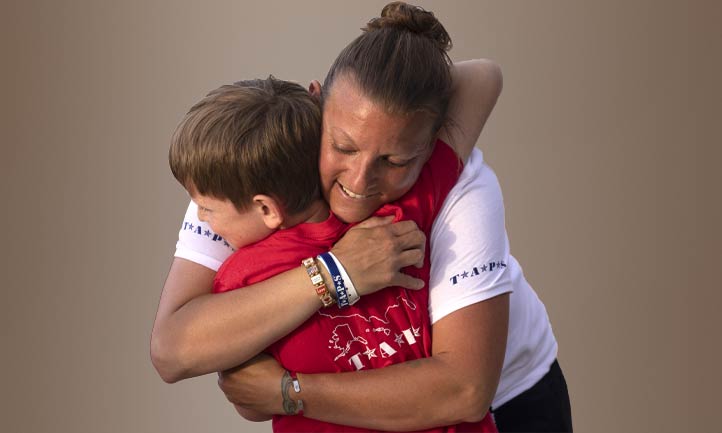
{"type": "Point", "coordinates": [344, 288]}
{"type": "Point", "coordinates": [324, 291]}
{"type": "Point", "coordinates": [290, 390]}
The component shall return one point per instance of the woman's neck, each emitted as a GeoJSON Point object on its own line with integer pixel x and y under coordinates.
{"type": "Point", "coordinates": [316, 212]}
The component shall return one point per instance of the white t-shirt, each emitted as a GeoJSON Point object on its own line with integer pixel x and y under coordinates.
{"type": "Point", "coordinates": [470, 262]}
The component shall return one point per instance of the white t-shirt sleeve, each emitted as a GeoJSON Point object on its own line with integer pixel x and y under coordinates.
{"type": "Point", "coordinates": [198, 243]}
{"type": "Point", "coordinates": [469, 245]}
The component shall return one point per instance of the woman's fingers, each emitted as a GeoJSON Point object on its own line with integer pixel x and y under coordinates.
{"type": "Point", "coordinates": [374, 222]}
{"type": "Point", "coordinates": [414, 241]}
{"type": "Point", "coordinates": [374, 255]}
{"type": "Point", "coordinates": [403, 227]}
{"type": "Point", "coordinates": [408, 282]}
{"type": "Point", "coordinates": [412, 257]}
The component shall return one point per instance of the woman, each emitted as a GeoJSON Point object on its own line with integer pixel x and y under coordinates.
{"type": "Point", "coordinates": [195, 332]}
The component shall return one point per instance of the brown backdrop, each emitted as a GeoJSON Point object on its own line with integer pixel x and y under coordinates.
{"type": "Point", "coordinates": [606, 141]}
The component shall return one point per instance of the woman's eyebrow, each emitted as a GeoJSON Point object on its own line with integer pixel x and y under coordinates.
{"type": "Point", "coordinates": [336, 130]}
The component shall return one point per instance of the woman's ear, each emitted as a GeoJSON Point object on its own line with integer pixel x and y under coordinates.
{"type": "Point", "coordinates": [315, 89]}
{"type": "Point", "coordinates": [270, 210]}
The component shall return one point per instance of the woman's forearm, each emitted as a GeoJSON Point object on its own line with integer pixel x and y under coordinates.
{"type": "Point", "coordinates": [457, 384]}
{"type": "Point", "coordinates": [392, 398]}
{"type": "Point", "coordinates": [197, 332]}
{"type": "Point", "coordinates": [476, 87]}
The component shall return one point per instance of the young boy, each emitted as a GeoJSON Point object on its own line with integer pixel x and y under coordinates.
{"type": "Point", "coordinates": [248, 155]}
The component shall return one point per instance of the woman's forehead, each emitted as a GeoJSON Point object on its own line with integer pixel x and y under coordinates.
{"type": "Point", "coordinates": [351, 116]}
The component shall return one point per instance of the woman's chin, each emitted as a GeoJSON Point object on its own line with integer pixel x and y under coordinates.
{"type": "Point", "coordinates": [351, 210]}
{"type": "Point", "coordinates": [351, 214]}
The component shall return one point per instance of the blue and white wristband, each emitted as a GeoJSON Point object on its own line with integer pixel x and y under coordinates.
{"type": "Point", "coordinates": [338, 282]}
{"type": "Point", "coordinates": [353, 295]}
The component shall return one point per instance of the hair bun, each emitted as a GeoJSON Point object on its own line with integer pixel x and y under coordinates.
{"type": "Point", "coordinates": [414, 19]}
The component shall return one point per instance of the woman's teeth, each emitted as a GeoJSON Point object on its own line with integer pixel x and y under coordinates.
{"type": "Point", "coordinates": [352, 194]}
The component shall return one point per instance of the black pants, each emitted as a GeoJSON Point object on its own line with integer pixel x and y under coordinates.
{"type": "Point", "coordinates": [544, 407]}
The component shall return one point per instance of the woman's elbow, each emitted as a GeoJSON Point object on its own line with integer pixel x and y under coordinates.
{"type": "Point", "coordinates": [166, 359]}
{"type": "Point", "coordinates": [473, 403]}
{"type": "Point", "coordinates": [492, 75]}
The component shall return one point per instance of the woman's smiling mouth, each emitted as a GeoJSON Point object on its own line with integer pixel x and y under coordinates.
{"type": "Point", "coordinates": [347, 192]}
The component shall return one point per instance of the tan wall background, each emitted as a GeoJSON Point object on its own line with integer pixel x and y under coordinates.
{"type": "Point", "coordinates": [606, 141]}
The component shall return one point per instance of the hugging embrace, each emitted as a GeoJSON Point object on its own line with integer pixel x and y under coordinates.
{"type": "Point", "coordinates": [343, 264]}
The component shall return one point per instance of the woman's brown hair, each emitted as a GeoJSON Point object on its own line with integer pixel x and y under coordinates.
{"type": "Point", "coordinates": [400, 61]}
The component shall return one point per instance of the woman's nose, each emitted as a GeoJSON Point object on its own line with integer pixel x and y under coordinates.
{"type": "Point", "coordinates": [363, 178]}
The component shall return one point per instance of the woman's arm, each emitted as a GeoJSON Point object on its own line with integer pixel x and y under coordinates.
{"type": "Point", "coordinates": [477, 85]}
{"type": "Point", "coordinates": [196, 332]}
{"type": "Point", "coordinates": [251, 415]}
{"type": "Point", "coordinates": [456, 384]}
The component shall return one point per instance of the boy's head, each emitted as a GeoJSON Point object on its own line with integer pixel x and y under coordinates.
{"type": "Point", "coordinates": [251, 144]}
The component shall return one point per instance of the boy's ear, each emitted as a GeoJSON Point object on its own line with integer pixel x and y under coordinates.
{"type": "Point", "coordinates": [315, 89]}
{"type": "Point", "coordinates": [270, 210]}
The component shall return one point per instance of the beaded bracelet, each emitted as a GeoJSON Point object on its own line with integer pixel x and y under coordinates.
{"type": "Point", "coordinates": [317, 281]}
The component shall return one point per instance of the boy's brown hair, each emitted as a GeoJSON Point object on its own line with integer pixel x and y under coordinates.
{"type": "Point", "coordinates": [251, 137]}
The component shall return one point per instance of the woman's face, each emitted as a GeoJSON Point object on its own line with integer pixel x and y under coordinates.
{"type": "Point", "coordinates": [368, 157]}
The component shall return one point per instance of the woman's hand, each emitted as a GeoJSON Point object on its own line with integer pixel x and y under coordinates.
{"type": "Point", "coordinates": [251, 415]}
{"type": "Point", "coordinates": [255, 386]}
{"type": "Point", "coordinates": [374, 252]}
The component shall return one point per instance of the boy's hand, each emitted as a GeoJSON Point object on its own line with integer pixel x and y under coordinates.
{"type": "Point", "coordinates": [375, 250]}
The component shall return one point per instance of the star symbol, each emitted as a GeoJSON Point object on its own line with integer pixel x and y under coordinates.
{"type": "Point", "coordinates": [483, 268]}
{"type": "Point", "coordinates": [190, 226]}
{"type": "Point", "coordinates": [464, 274]}
{"type": "Point", "coordinates": [399, 339]}
{"type": "Point", "coordinates": [207, 233]}
{"type": "Point", "coordinates": [371, 353]}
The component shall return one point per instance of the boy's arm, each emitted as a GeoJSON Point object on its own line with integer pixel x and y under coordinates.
{"type": "Point", "coordinates": [196, 332]}
{"type": "Point", "coordinates": [476, 88]}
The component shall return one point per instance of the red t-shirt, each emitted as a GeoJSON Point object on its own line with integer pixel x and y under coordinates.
{"type": "Point", "coordinates": [381, 329]}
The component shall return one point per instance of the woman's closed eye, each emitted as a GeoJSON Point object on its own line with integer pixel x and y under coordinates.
{"type": "Point", "coordinates": [343, 150]}
{"type": "Point", "coordinates": [397, 163]}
